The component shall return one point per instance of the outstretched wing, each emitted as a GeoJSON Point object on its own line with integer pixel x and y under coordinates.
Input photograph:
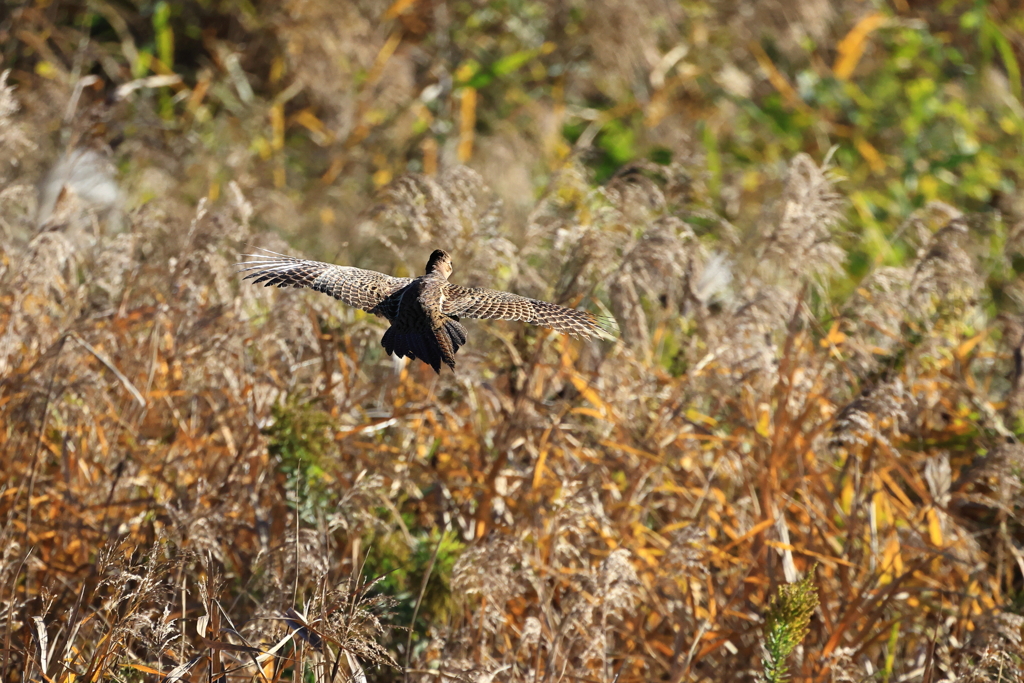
{"type": "Point", "coordinates": [476, 302]}
{"type": "Point", "coordinates": [363, 289]}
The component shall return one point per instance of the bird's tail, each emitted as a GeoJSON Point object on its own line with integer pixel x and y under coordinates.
{"type": "Point", "coordinates": [432, 347]}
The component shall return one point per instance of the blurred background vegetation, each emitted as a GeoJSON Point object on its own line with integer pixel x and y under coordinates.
{"type": "Point", "coordinates": [806, 217]}
{"type": "Point", "coordinates": [317, 106]}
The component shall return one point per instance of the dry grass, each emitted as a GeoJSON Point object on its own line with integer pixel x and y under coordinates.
{"type": "Point", "coordinates": [204, 479]}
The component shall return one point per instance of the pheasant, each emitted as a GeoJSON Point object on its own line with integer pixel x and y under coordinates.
{"type": "Point", "coordinates": [424, 312]}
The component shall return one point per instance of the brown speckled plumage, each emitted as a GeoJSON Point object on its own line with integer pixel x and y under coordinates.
{"type": "Point", "coordinates": [424, 312]}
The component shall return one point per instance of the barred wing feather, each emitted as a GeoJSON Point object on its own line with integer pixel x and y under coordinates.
{"type": "Point", "coordinates": [364, 289]}
{"type": "Point", "coordinates": [477, 302]}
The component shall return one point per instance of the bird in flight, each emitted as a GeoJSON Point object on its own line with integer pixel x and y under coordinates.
{"type": "Point", "coordinates": [424, 312]}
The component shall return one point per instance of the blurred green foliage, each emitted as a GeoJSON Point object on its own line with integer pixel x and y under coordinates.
{"type": "Point", "coordinates": [930, 115]}
{"type": "Point", "coordinates": [931, 112]}
{"type": "Point", "coordinates": [404, 568]}
{"type": "Point", "coordinates": [298, 438]}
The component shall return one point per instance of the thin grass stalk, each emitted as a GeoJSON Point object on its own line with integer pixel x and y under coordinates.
{"type": "Point", "coordinates": [419, 601]}
{"type": "Point", "coordinates": [38, 448]}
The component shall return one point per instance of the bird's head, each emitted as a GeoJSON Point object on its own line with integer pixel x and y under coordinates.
{"type": "Point", "coordinates": [441, 262]}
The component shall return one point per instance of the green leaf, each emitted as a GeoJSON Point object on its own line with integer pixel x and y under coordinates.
{"type": "Point", "coordinates": [512, 62]}
{"type": "Point", "coordinates": [164, 34]}
{"type": "Point", "coordinates": [714, 158]}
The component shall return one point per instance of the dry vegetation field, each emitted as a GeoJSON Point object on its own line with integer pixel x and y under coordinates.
{"type": "Point", "coordinates": [204, 480]}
